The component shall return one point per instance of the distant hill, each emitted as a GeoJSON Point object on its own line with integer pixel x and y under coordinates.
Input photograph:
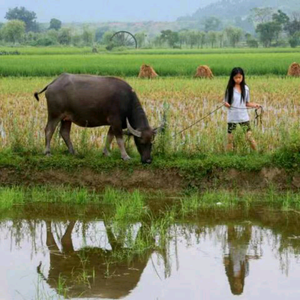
{"type": "Point", "coordinates": [231, 9]}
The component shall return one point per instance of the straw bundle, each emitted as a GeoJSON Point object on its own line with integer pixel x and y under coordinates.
{"type": "Point", "coordinates": [204, 72]}
{"type": "Point", "coordinates": [147, 71]}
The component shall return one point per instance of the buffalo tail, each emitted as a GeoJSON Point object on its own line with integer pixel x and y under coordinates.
{"type": "Point", "coordinates": [36, 94]}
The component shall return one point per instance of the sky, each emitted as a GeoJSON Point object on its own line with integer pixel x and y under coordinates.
{"type": "Point", "coordinates": [106, 10]}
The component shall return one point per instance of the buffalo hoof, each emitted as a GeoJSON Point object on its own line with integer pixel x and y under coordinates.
{"type": "Point", "coordinates": [148, 161]}
{"type": "Point", "coordinates": [106, 153]}
{"type": "Point", "coordinates": [126, 158]}
{"type": "Point", "coordinates": [72, 151]}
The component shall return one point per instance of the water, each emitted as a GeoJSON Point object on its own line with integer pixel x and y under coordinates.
{"type": "Point", "coordinates": [227, 255]}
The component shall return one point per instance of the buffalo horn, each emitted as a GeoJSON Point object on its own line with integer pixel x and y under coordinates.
{"type": "Point", "coordinates": [133, 131]}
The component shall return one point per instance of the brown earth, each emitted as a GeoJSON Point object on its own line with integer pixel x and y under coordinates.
{"type": "Point", "coordinates": [170, 181]}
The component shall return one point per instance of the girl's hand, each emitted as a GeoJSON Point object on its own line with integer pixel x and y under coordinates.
{"type": "Point", "coordinates": [257, 106]}
{"type": "Point", "coordinates": [227, 104]}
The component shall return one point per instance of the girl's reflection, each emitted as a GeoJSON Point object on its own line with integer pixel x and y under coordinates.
{"type": "Point", "coordinates": [236, 260]}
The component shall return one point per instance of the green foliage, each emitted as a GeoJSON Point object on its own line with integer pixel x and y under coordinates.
{"type": "Point", "coordinates": [170, 37]}
{"type": "Point", "coordinates": [212, 24]}
{"type": "Point", "coordinates": [46, 41]}
{"type": "Point", "coordinates": [55, 24]}
{"type": "Point", "coordinates": [13, 31]}
{"type": "Point", "coordinates": [64, 36]}
{"type": "Point", "coordinates": [22, 14]}
{"type": "Point", "coordinates": [288, 156]}
{"type": "Point", "coordinates": [252, 43]}
{"type": "Point", "coordinates": [268, 32]}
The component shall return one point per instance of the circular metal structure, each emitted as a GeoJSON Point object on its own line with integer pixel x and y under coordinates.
{"type": "Point", "coordinates": [124, 38]}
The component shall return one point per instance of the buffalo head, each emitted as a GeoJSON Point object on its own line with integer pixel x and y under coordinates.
{"type": "Point", "coordinates": [143, 140]}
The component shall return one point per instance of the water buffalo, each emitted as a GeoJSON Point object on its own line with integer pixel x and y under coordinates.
{"type": "Point", "coordinates": [91, 101]}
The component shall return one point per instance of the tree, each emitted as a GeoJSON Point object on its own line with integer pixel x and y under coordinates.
{"type": "Point", "coordinates": [268, 32]}
{"type": "Point", "coordinates": [200, 38]}
{"type": "Point", "coordinates": [234, 35]}
{"type": "Point", "coordinates": [107, 36]}
{"type": "Point", "coordinates": [87, 36]}
{"type": "Point", "coordinates": [182, 37]}
{"type": "Point", "coordinates": [100, 32]}
{"type": "Point", "coordinates": [212, 38]}
{"type": "Point", "coordinates": [22, 14]}
{"type": "Point", "coordinates": [261, 15]}
{"type": "Point", "coordinates": [13, 31]}
{"type": "Point", "coordinates": [53, 34]}
{"type": "Point", "coordinates": [212, 24]}
{"type": "Point", "coordinates": [55, 24]}
{"type": "Point", "coordinates": [170, 37]}
{"type": "Point", "coordinates": [140, 38]}
{"type": "Point", "coordinates": [295, 39]}
{"type": "Point", "coordinates": [220, 37]}
{"type": "Point", "coordinates": [64, 36]}
{"type": "Point", "coordinates": [192, 38]}
{"type": "Point", "coordinates": [280, 18]}
{"type": "Point", "coordinates": [292, 27]}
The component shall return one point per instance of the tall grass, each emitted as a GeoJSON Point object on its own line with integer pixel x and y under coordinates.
{"type": "Point", "coordinates": [183, 100]}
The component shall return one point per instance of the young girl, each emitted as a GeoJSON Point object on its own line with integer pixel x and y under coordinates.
{"type": "Point", "coordinates": [237, 99]}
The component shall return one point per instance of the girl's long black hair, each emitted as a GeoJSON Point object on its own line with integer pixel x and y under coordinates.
{"type": "Point", "coordinates": [231, 84]}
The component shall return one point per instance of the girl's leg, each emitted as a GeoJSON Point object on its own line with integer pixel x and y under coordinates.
{"type": "Point", "coordinates": [251, 140]}
{"type": "Point", "coordinates": [229, 142]}
{"type": "Point", "coordinates": [231, 127]}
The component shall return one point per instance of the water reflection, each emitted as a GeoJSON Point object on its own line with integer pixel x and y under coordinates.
{"type": "Point", "coordinates": [108, 272]}
{"type": "Point", "coordinates": [215, 255]}
{"type": "Point", "coordinates": [236, 260]}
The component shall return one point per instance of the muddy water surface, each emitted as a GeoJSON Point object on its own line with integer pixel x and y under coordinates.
{"type": "Point", "coordinates": [219, 255]}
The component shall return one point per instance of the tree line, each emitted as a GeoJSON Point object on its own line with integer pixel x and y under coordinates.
{"type": "Point", "coordinates": [272, 28]}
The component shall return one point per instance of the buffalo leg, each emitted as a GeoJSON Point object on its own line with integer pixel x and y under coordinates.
{"type": "Point", "coordinates": [66, 240]}
{"type": "Point", "coordinates": [121, 145]}
{"type": "Point", "coordinates": [109, 138]}
{"type": "Point", "coordinates": [116, 130]}
{"type": "Point", "coordinates": [65, 134]}
{"type": "Point", "coordinates": [49, 130]}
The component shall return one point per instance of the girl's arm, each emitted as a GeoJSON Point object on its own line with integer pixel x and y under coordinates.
{"type": "Point", "coordinates": [253, 105]}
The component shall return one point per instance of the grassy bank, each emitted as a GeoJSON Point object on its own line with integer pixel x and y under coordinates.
{"type": "Point", "coordinates": [171, 174]}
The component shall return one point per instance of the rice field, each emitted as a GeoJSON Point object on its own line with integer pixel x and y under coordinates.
{"type": "Point", "coordinates": [127, 64]}
{"type": "Point", "coordinates": [184, 101]}
{"type": "Point", "coordinates": [57, 50]}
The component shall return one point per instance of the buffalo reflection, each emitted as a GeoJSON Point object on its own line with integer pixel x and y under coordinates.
{"type": "Point", "coordinates": [92, 271]}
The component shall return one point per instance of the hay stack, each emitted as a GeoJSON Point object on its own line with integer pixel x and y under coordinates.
{"type": "Point", "coordinates": [204, 72]}
{"type": "Point", "coordinates": [147, 71]}
{"type": "Point", "coordinates": [294, 70]}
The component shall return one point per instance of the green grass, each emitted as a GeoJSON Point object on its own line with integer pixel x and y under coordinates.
{"type": "Point", "coordinates": [134, 206]}
{"type": "Point", "coordinates": [263, 63]}
{"type": "Point", "coordinates": [58, 50]}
